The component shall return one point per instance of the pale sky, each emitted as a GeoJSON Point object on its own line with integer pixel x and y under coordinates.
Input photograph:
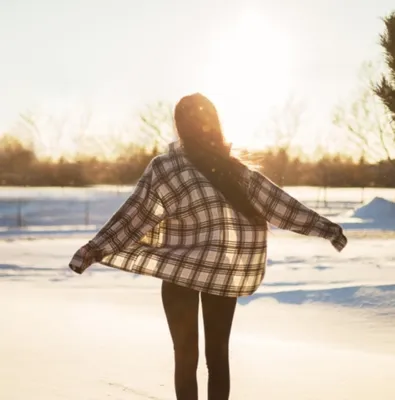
{"type": "Point", "coordinates": [248, 56]}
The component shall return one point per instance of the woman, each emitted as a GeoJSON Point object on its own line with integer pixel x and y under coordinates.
{"type": "Point", "coordinates": [198, 221]}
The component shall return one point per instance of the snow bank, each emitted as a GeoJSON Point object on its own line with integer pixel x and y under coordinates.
{"type": "Point", "coordinates": [378, 209]}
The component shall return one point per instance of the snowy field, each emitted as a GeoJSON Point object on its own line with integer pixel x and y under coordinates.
{"type": "Point", "coordinates": [322, 326]}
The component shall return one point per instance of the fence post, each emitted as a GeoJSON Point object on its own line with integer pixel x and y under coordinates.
{"type": "Point", "coordinates": [318, 197]}
{"type": "Point", "coordinates": [19, 217]}
{"type": "Point", "coordinates": [87, 216]}
{"type": "Point", "coordinates": [326, 197]}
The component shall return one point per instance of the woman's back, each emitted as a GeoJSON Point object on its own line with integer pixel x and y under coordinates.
{"type": "Point", "coordinates": [177, 227]}
{"type": "Point", "coordinates": [202, 242]}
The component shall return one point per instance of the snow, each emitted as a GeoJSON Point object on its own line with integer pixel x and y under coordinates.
{"type": "Point", "coordinates": [320, 327]}
{"type": "Point", "coordinates": [377, 209]}
{"type": "Point", "coordinates": [29, 212]}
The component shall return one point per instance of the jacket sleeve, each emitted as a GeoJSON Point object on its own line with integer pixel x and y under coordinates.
{"type": "Point", "coordinates": [285, 212]}
{"type": "Point", "coordinates": [138, 215]}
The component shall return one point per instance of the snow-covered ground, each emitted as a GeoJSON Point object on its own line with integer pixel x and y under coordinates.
{"type": "Point", "coordinates": [322, 326]}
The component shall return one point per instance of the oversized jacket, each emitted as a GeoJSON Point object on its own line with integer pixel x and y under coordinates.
{"type": "Point", "coordinates": [177, 227]}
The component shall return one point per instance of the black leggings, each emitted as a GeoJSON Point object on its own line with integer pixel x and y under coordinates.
{"type": "Point", "coordinates": [181, 307]}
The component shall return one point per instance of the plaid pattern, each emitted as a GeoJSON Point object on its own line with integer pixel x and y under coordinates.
{"type": "Point", "coordinates": [175, 226]}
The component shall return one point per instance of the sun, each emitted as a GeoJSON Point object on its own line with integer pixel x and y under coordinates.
{"type": "Point", "coordinates": [249, 72]}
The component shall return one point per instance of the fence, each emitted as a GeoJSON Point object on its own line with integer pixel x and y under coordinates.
{"type": "Point", "coordinates": [58, 207]}
{"type": "Point", "coordinates": [82, 207]}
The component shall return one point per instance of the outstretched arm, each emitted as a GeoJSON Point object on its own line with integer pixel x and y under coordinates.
{"type": "Point", "coordinates": [282, 210]}
{"type": "Point", "coordinates": [138, 215]}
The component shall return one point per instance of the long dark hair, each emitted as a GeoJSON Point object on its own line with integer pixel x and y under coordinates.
{"type": "Point", "coordinates": [200, 132]}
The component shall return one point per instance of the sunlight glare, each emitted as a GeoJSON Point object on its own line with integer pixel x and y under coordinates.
{"type": "Point", "coordinates": [250, 72]}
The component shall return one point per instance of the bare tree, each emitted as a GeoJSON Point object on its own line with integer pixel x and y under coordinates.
{"type": "Point", "coordinates": [365, 120]}
{"type": "Point", "coordinates": [157, 125]}
{"type": "Point", "coordinates": [286, 122]}
{"type": "Point", "coordinates": [53, 136]}
{"type": "Point", "coordinates": [283, 127]}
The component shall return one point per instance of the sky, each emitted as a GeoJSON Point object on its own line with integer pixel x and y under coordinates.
{"type": "Point", "coordinates": [249, 56]}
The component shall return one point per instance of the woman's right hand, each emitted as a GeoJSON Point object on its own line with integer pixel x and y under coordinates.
{"type": "Point", "coordinates": [82, 259]}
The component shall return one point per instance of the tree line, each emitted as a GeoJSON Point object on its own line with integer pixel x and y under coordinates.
{"type": "Point", "coordinates": [20, 166]}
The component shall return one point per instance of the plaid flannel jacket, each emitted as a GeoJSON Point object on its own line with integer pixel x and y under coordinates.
{"type": "Point", "coordinates": [175, 226]}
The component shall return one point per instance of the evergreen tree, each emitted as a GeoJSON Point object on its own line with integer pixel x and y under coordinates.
{"type": "Point", "coordinates": [385, 89]}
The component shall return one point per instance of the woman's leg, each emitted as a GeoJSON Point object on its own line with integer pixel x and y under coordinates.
{"type": "Point", "coordinates": [181, 306]}
{"type": "Point", "coordinates": [218, 314]}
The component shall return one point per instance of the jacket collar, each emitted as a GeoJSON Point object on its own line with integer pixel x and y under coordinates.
{"type": "Point", "coordinates": [175, 146]}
